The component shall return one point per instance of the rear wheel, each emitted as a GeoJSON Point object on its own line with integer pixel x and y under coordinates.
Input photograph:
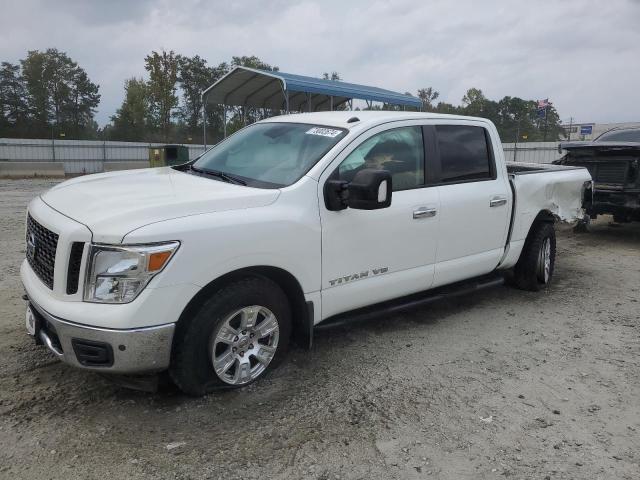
{"type": "Point", "coordinates": [236, 336]}
{"type": "Point", "coordinates": [534, 269]}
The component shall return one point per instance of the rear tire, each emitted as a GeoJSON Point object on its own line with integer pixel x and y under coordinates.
{"type": "Point", "coordinates": [222, 345]}
{"type": "Point", "coordinates": [534, 269]}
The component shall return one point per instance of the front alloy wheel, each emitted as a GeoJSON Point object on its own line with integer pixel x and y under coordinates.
{"type": "Point", "coordinates": [245, 344]}
{"type": "Point", "coordinates": [232, 338]}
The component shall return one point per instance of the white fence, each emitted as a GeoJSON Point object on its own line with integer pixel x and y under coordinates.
{"type": "Point", "coordinates": [533, 152]}
{"type": "Point", "coordinates": [89, 156]}
{"type": "Point", "coordinates": [79, 156]}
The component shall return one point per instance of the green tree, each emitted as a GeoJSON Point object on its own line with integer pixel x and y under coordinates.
{"type": "Point", "coordinates": [79, 108]}
{"type": "Point", "coordinates": [241, 116]}
{"type": "Point", "coordinates": [475, 103]}
{"type": "Point", "coordinates": [163, 77]}
{"type": "Point", "coordinates": [13, 103]}
{"type": "Point", "coordinates": [331, 76]}
{"type": "Point", "coordinates": [252, 62]}
{"type": "Point", "coordinates": [427, 96]}
{"type": "Point", "coordinates": [59, 94]}
{"type": "Point", "coordinates": [448, 108]}
{"type": "Point", "coordinates": [195, 76]}
{"type": "Point", "coordinates": [130, 121]}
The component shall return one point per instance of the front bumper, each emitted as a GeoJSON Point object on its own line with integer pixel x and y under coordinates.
{"type": "Point", "coordinates": [132, 351]}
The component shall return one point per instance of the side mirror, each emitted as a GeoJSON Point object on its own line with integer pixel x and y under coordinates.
{"type": "Point", "coordinates": [369, 190]}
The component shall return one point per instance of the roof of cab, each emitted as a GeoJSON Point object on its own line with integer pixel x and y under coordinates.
{"type": "Point", "coordinates": [366, 118]}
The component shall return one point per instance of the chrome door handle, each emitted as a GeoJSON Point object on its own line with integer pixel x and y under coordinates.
{"type": "Point", "coordinates": [424, 212]}
{"type": "Point", "coordinates": [497, 201]}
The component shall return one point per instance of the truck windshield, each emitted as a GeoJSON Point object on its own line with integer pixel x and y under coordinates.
{"type": "Point", "coordinates": [270, 155]}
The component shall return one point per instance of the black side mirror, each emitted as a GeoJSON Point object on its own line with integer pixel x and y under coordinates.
{"type": "Point", "coordinates": [369, 190]}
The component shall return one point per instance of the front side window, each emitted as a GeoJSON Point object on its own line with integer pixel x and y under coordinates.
{"type": "Point", "coordinates": [271, 155]}
{"type": "Point", "coordinates": [400, 151]}
{"type": "Point", "coordinates": [464, 153]}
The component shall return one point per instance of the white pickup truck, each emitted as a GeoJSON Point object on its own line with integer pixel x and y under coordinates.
{"type": "Point", "coordinates": [209, 269]}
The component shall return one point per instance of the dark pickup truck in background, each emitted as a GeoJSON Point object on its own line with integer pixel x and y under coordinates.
{"type": "Point", "coordinates": [613, 160]}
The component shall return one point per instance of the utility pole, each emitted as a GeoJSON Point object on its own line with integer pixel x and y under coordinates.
{"type": "Point", "coordinates": [53, 144]}
{"type": "Point", "coordinates": [570, 127]}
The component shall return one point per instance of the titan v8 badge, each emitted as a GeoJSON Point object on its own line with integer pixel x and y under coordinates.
{"type": "Point", "coordinates": [358, 276]}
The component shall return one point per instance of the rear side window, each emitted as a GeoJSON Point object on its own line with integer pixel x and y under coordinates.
{"type": "Point", "coordinates": [465, 154]}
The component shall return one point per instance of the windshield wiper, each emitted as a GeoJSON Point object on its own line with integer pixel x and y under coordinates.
{"type": "Point", "coordinates": [218, 174]}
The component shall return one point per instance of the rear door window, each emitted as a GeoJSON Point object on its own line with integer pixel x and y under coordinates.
{"type": "Point", "coordinates": [465, 153]}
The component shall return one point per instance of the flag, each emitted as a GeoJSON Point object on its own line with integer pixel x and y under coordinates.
{"type": "Point", "coordinates": [542, 107]}
{"type": "Point", "coordinates": [543, 103]}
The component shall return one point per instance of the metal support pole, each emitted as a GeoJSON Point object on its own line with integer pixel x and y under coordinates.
{"type": "Point", "coordinates": [515, 144]}
{"type": "Point", "coordinates": [224, 120]}
{"type": "Point", "coordinates": [204, 123]}
{"type": "Point", "coordinates": [331, 103]}
{"type": "Point", "coordinates": [286, 99]}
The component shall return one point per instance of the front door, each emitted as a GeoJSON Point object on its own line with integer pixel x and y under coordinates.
{"type": "Point", "coordinates": [369, 256]}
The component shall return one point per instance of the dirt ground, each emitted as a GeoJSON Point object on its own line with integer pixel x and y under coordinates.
{"type": "Point", "coordinates": [502, 383]}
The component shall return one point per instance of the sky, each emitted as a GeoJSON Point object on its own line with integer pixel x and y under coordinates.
{"type": "Point", "coordinates": [583, 55]}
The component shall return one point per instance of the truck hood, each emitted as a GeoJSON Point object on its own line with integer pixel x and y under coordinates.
{"type": "Point", "coordinates": [113, 204]}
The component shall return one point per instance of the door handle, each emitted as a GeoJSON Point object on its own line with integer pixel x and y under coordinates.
{"type": "Point", "coordinates": [424, 212]}
{"type": "Point", "coordinates": [497, 201]}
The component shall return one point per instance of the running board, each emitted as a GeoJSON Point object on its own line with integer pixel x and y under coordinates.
{"type": "Point", "coordinates": [416, 300]}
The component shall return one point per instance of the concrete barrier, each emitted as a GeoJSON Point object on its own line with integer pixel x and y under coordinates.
{"type": "Point", "coordinates": [114, 166]}
{"type": "Point", "coordinates": [31, 169]}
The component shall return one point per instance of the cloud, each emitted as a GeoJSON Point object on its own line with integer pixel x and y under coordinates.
{"type": "Point", "coordinates": [583, 55]}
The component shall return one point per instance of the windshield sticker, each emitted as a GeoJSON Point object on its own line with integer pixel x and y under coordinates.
{"type": "Point", "coordinates": [324, 132]}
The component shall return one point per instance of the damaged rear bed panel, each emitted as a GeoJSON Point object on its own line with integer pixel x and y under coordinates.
{"type": "Point", "coordinates": [553, 188]}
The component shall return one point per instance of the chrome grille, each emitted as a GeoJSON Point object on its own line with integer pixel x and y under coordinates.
{"type": "Point", "coordinates": [42, 244]}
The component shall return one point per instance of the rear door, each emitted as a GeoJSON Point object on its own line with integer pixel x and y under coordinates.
{"type": "Point", "coordinates": [475, 201]}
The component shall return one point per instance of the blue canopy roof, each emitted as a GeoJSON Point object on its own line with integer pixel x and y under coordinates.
{"type": "Point", "coordinates": [251, 87]}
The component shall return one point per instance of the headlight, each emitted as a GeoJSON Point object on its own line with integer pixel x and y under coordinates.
{"type": "Point", "coordinates": [118, 274]}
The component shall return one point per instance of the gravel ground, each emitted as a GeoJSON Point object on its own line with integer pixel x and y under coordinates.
{"type": "Point", "coordinates": [502, 383]}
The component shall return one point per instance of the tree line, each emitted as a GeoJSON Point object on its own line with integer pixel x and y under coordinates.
{"type": "Point", "coordinates": [48, 95]}
{"type": "Point", "coordinates": [516, 119]}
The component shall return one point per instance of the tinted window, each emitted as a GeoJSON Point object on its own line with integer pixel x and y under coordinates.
{"type": "Point", "coordinates": [464, 153]}
{"type": "Point", "coordinates": [620, 136]}
{"type": "Point", "coordinates": [400, 151]}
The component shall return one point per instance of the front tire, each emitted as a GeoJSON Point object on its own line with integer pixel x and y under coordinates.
{"type": "Point", "coordinates": [534, 269]}
{"type": "Point", "coordinates": [235, 337]}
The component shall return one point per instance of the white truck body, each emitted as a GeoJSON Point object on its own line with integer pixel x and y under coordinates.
{"type": "Point", "coordinates": [343, 260]}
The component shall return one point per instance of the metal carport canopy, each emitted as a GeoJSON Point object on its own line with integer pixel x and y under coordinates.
{"type": "Point", "coordinates": [249, 87]}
